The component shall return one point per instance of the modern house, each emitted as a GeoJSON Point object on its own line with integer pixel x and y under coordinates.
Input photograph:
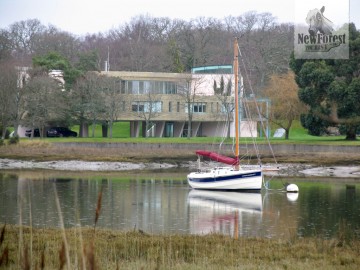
{"type": "Point", "coordinates": [158, 104]}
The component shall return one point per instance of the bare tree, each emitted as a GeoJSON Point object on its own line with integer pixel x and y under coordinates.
{"type": "Point", "coordinates": [266, 46]}
{"type": "Point", "coordinates": [189, 88]}
{"type": "Point", "coordinates": [23, 35]}
{"type": "Point", "coordinates": [88, 99]}
{"type": "Point", "coordinates": [286, 106]}
{"type": "Point", "coordinates": [8, 90]}
{"type": "Point", "coordinates": [51, 39]}
{"type": "Point", "coordinates": [43, 102]}
{"type": "Point", "coordinates": [5, 47]}
{"type": "Point", "coordinates": [112, 99]}
{"type": "Point", "coordinates": [224, 93]}
{"type": "Point", "coordinates": [147, 109]}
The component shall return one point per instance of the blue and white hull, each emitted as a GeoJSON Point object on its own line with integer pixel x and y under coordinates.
{"type": "Point", "coordinates": [227, 179]}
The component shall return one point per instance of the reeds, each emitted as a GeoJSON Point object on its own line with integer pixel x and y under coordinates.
{"type": "Point", "coordinates": [134, 250]}
{"type": "Point", "coordinates": [4, 258]}
{"type": "Point", "coordinates": [64, 255]}
{"type": "Point", "coordinates": [98, 208]}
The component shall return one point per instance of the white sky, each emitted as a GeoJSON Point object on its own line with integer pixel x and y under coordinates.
{"type": "Point", "coordinates": [92, 16]}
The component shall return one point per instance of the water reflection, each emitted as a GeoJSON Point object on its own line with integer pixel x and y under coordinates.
{"type": "Point", "coordinates": [225, 212]}
{"type": "Point", "coordinates": [160, 203]}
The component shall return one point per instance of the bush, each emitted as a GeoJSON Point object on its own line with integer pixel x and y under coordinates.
{"type": "Point", "coordinates": [1, 142]}
{"type": "Point", "coordinates": [14, 140]}
{"type": "Point", "coordinates": [313, 124]}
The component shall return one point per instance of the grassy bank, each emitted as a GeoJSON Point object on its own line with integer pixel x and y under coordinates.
{"type": "Point", "coordinates": [42, 150]}
{"type": "Point", "coordinates": [121, 133]}
{"type": "Point", "coordinates": [102, 249]}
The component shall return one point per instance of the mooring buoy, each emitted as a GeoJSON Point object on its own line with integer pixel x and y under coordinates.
{"type": "Point", "coordinates": [292, 188]}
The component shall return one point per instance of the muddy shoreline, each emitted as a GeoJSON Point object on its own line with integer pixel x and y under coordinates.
{"type": "Point", "coordinates": [285, 169]}
{"type": "Point", "coordinates": [40, 155]}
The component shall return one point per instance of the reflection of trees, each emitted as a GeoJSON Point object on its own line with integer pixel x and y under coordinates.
{"type": "Point", "coordinates": [127, 203]}
{"type": "Point", "coordinates": [280, 215]}
{"type": "Point", "coordinates": [327, 207]}
{"type": "Point", "coordinates": [155, 204]}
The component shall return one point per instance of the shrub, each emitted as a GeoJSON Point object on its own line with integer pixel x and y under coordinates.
{"type": "Point", "coordinates": [1, 142]}
{"type": "Point", "coordinates": [14, 140]}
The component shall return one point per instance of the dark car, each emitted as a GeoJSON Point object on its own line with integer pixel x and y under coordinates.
{"type": "Point", "coordinates": [60, 132]}
{"type": "Point", "coordinates": [36, 132]}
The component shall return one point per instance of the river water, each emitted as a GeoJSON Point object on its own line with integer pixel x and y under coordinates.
{"type": "Point", "coordinates": [162, 202]}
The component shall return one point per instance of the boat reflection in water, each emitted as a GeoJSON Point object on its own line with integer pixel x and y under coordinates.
{"type": "Point", "coordinates": [229, 213]}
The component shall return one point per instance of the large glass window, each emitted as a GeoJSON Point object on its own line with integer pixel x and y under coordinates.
{"type": "Point", "coordinates": [146, 106]}
{"type": "Point", "coordinates": [144, 87]}
{"type": "Point", "coordinates": [196, 107]}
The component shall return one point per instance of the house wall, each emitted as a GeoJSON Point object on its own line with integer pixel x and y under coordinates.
{"type": "Point", "coordinates": [210, 123]}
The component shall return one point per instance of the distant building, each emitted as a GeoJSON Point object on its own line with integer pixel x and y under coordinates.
{"type": "Point", "coordinates": [166, 93]}
{"type": "Point", "coordinates": [170, 96]}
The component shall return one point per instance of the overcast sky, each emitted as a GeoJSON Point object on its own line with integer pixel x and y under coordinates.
{"type": "Point", "coordinates": [87, 16]}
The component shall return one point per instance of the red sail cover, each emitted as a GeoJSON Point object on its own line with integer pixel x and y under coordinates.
{"type": "Point", "coordinates": [218, 157]}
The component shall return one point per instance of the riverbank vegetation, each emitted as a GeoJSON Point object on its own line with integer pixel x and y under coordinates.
{"type": "Point", "coordinates": [26, 247]}
{"type": "Point", "coordinates": [121, 132]}
{"type": "Point", "coordinates": [44, 150]}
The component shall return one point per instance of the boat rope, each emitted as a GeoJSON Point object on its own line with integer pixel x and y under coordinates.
{"type": "Point", "coordinates": [256, 105]}
{"type": "Point", "coordinates": [266, 185]}
{"type": "Point", "coordinates": [253, 136]}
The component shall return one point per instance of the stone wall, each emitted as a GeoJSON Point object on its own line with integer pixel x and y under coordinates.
{"type": "Point", "coordinates": [263, 148]}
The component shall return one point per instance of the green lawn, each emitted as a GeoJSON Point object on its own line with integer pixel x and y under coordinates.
{"type": "Point", "coordinates": [121, 133]}
{"type": "Point", "coordinates": [120, 130]}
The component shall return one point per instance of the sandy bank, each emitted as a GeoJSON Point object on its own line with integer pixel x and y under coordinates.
{"type": "Point", "coordinates": [77, 165]}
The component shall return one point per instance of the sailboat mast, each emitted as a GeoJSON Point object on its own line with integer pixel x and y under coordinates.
{"type": "Point", "coordinates": [236, 78]}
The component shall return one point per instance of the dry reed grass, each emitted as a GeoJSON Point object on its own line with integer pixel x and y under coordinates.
{"type": "Point", "coordinates": [138, 250]}
{"type": "Point", "coordinates": [43, 151]}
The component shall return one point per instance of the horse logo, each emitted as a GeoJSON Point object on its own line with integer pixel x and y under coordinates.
{"type": "Point", "coordinates": [318, 23]}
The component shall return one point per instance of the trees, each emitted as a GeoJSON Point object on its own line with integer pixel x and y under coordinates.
{"type": "Point", "coordinates": [155, 45]}
{"type": "Point", "coordinates": [147, 109]}
{"type": "Point", "coordinates": [23, 35]}
{"type": "Point", "coordinates": [81, 88]}
{"type": "Point", "coordinates": [110, 88]}
{"type": "Point", "coordinates": [44, 101]}
{"type": "Point", "coordinates": [286, 107]}
{"type": "Point", "coordinates": [227, 104]}
{"type": "Point", "coordinates": [86, 101]}
{"type": "Point", "coordinates": [265, 45]}
{"type": "Point", "coordinates": [5, 45]}
{"type": "Point", "coordinates": [8, 95]}
{"type": "Point", "coordinates": [331, 88]}
{"type": "Point", "coordinates": [189, 89]}
{"type": "Point", "coordinates": [55, 61]}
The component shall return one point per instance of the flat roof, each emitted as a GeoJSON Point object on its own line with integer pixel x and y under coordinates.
{"type": "Point", "coordinates": [217, 69]}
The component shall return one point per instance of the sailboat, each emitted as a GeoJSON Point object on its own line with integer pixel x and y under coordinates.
{"type": "Point", "coordinates": [234, 177]}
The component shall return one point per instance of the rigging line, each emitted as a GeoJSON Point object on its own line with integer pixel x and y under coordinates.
{"type": "Point", "coordinates": [215, 140]}
{"type": "Point", "coordinates": [257, 107]}
{"type": "Point", "coordinates": [267, 183]}
{"type": "Point", "coordinates": [253, 137]}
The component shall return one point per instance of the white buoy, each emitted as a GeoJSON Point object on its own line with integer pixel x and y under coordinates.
{"type": "Point", "coordinates": [292, 188]}
{"type": "Point", "coordinates": [292, 196]}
